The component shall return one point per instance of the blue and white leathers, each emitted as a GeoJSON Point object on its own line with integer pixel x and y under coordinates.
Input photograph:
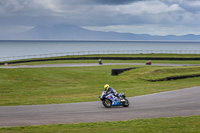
{"type": "Point", "coordinates": [114, 98]}
{"type": "Point", "coordinates": [111, 90]}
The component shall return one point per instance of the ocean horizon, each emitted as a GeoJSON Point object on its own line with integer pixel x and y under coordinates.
{"type": "Point", "coordinates": [35, 47]}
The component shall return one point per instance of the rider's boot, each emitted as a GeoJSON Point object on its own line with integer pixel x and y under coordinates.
{"type": "Point", "coordinates": [114, 99]}
{"type": "Point", "coordinates": [113, 102]}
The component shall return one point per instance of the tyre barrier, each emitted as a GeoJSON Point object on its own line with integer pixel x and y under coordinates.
{"type": "Point", "coordinates": [176, 77]}
{"type": "Point", "coordinates": [121, 70]}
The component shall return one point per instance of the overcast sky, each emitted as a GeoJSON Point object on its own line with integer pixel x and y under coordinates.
{"type": "Point", "coordinates": [155, 17]}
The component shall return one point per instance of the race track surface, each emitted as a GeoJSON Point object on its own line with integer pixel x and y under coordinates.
{"type": "Point", "coordinates": [92, 64]}
{"type": "Point", "coordinates": [184, 102]}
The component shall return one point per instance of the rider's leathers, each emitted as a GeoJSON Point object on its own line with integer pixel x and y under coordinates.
{"type": "Point", "coordinates": [111, 90]}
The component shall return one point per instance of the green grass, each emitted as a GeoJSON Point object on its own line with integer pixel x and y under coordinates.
{"type": "Point", "coordinates": [30, 86]}
{"type": "Point", "coordinates": [158, 125]}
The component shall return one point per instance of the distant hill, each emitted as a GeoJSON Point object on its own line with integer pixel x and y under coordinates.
{"type": "Point", "coordinates": [72, 32]}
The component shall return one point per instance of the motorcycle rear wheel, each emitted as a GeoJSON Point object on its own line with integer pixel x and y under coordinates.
{"type": "Point", "coordinates": [107, 103]}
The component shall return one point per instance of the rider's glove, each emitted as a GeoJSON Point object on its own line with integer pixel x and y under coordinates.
{"type": "Point", "coordinates": [116, 94]}
{"type": "Point", "coordinates": [107, 93]}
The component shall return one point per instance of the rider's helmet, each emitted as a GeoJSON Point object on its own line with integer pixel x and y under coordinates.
{"type": "Point", "coordinates": [106, 87]}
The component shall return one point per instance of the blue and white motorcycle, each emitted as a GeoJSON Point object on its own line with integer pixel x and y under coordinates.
{"type": "Point", "coordinates": [109, 100]}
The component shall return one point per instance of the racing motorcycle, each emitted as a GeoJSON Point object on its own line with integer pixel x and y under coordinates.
{"type": "Point", "coordinates": [107, 99]}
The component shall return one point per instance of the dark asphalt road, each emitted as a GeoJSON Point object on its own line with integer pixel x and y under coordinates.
{"type": "Point", "coordinates": [92, 64]}
{"type": "Point", "coordinates": [184, 102]}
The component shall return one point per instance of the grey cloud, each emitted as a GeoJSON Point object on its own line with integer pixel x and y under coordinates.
{"type": "Point", "coordinates": [100, 2]}
{"type": "Point", "coordinates": [95, 12]}
{"type": "Point", "coordinates": [192, 6]}
{"type": "Point", "coordinates": [116, 2]}
{"type": "Point", "coordinates": [10, 6]}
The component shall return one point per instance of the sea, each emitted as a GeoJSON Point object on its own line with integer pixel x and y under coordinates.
{"type": "Point", "coordinates": [12, 48]}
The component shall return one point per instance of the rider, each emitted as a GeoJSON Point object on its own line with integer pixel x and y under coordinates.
{"type": "Point", "coordinates": [110, 90]}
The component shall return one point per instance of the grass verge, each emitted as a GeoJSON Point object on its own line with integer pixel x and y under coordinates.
{"type": "Point", "coordinates": [158, 125]}
{"type": "Point", "coordinates": [30, 86]}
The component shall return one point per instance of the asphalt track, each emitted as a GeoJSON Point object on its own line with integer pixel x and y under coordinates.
{"type": "Point", "coordinates": [183, 102]}
{"type": "Point", "coordinates": [91, 64]}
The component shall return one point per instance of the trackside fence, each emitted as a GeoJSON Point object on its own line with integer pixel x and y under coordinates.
{"type": "Point", "coordinates": [100, 52]}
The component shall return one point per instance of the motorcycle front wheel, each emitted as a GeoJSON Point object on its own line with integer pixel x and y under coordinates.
{"type": "Point", "coordinates": [107, 103]}
{"type": "Point", "coordinates": [126, 103]}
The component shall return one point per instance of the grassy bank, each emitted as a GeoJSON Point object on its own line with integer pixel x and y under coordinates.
{"type": "Point", "coordinates": [159, 125]}
{"type": "Point", "coordinates": [29, 86]}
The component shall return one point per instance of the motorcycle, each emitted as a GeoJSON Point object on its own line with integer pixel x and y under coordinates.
{"type": "Point", "coordinates": [107, 99]}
